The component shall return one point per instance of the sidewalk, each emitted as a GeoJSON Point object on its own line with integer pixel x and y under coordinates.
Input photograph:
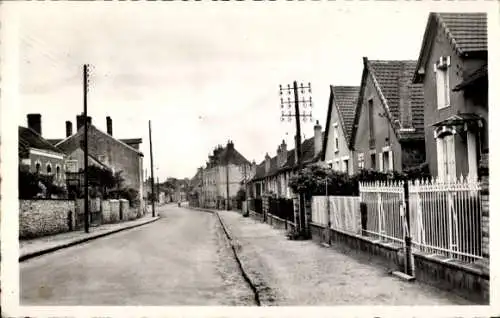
{"type": "Point", "coordinates": [46, 244]}
{"type": "Point", "coordinates": [305, 273]}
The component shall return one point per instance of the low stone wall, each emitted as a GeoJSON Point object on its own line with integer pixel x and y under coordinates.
{"type": "Point", "coordinates": [45, 217]}
{"type": "Point", "coordinates": [124, 210]}
{"type": "Point", "coordinates": [470, 281]}
{"type": "Point", "coordinates": [279, 223]}
{"type": "Point", "coordinates": [114, 213]}
{"type": "Point", "coordinates": [256, 216]}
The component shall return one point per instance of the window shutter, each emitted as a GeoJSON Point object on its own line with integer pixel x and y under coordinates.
{"type": "Point", "coordinates": [440, 157]}
{"type": "Point", "coordinates": [452, 171]}
{"type": "Point", "coordinates": [439, 88]}
{"type": "Point", "coordinates": [381, 161]}
{"type": "Point", "coordinates": [391, 163]}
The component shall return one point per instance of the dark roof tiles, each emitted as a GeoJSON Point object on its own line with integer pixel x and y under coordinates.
{"type": "Point", "coordinates": [345, 99]}
{"type": "Point", "coordinates": [467, 31]}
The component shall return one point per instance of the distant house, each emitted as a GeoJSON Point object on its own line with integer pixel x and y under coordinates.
{"type": "Point", "coordinates": [225, 173]}
{"type": "Point", "coordinates": [273, 174]}
{"type": "Point", "coordinates": [341, 107]}
{"type": "Point", "coordinates": [104, 150]}
{"type": "Point", "coordinates": [37, 155]}
{"type": "Point", "coordinates": [453, 68]}
{"type": "Point", "coordinates": [388, 128]}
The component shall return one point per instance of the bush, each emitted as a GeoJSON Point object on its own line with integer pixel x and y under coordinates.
{"type": "Point", "coordinates": [31, 185]}
{"type": "Point", "coordinates": [315, 180]}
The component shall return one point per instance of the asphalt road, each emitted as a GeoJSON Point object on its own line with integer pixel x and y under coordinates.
{"type": "Point", "coordinates": [182, 259]}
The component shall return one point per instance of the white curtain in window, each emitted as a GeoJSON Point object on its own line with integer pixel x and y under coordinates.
{"type": "Point", "coordinates": [440, 88]}
{"type": "Point", "coordinates": [450, 154]}
{"type": "Point", "coordinates": [381, 161]}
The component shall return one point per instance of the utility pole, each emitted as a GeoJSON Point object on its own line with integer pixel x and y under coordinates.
{"type": "Point", "coordinates": [227, 176]}
{"type": "Point", "coordinates": [298, 142]}
{"type": "Point", "coordinates": [158, 188]}
{"type": "Point", "coordinates": [86, 148]}
{"type": "Point", "coordinates": [152, 172]}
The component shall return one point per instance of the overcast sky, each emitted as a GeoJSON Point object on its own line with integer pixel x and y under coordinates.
{"type": "Point", "coordinates": [202, 72]}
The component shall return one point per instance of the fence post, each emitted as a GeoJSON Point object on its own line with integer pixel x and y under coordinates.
{"type": "Point", "coordinates": [409, 269]}
{"type": "Point", "coordinates": [379, 212]}
{"type": "Point", "coordinates": [364, 217]}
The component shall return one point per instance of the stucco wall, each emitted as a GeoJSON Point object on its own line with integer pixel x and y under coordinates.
{"type": "Point", "coordinates": [344, 151]}
{"type": "Point", "coordinates": [44, 160]}
{"type": "Point", "coordinates": [381, 129]}
{"type": "Point", "coordinates": [442, 47]}
{"type": "Point", "coordinates": [45, 217]}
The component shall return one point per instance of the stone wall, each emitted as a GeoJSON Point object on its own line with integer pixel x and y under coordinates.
{"type": "Point", "coordinates": [114, 213]}
{"type": "Point", "coordinates": [124, 210]}
{"type": "Point", "coordinates": [45, 217]}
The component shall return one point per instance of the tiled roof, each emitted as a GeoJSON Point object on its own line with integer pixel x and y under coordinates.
{"type": "Point", "coordinates": [391, 76]}
{"type": "Point", "coordinates": [467, 34]}
{"type": "Point", "coordinates": [307, 157]}
{"type": "Point", "coordinates": [471, 78]}
{"type": "Point", "coordinates": [345, 98]}
{"type": "Point", "coordinates": [54, 141]}
{"type": "Point", "coordinates": [232, 156]}
{"type": "Point", "coordinates": [28, 138]}
{"type": "Point", "coordinates": [467, 31]}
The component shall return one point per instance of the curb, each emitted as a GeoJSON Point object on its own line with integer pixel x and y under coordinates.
{"type": "Point", "coordinates": [243, 272]}
{"type": "Point", "coordinates": [31, 255]}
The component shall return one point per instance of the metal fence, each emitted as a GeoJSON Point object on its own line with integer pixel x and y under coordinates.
{"type": "Point", "coordinates": [255, 204]}
{"type": "Point", "coordinates": [384, 218]}
{"type": "Point", "coordinates": [446, 217]}
{"type": "Point", "coordinates": [282, 208]}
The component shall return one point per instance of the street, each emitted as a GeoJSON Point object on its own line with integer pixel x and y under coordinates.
{"type": "Point", "coordinates": [182, 259]}
{"type": "Point", "coordinates": [185, 259]}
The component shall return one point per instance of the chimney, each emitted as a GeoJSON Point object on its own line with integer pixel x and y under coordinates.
{"type": "Point", "coordinates": [230, 144]}
{"type": "Point", "coordinates": [317, 138]}
{"type": "Point", "coordinates": [109, 126]}
{"type": "Point", "coordinates": [69, 128]}
{"type": "Point", "coordinates": [268, 162]}
{"type": "Point", "coordinates": [404, 96]}
{"type": "Point", "coordinates": [35, 123]}
{"type": "Point", "coordinates": [80, 120]}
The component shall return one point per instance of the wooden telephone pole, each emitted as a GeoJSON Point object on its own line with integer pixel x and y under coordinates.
{"type": "Point", "coordinates": [296, 102]}
{"type": "Point", "coordinates": [86, 148]}
{"type": "Point", "coordinates": [152, 172]}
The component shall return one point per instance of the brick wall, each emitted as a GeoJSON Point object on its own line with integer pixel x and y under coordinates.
{"type": "Point", "coordinates": [45, 217]}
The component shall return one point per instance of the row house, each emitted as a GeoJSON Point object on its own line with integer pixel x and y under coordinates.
{"type": "Point", "coordinates": [273, 174]}
{"type": "Point", "coordinates": [453, 69]}
{"type": "Point", "coordinates": [340, 117]}
{"type": "Point", "coordinates": [105, 151]}
{"type": "Point", "coordinates": [37, 155]}
{"type": "Point", "coordinates": [225, 173]}
{"type": "Point", "coordinates": [388, 126]}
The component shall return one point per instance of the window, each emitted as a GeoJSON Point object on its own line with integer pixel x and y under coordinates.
{"type": "Point", "coordinates": [49, 168]}
{"type": "Point", "coordinates": [337, 165]}
{"type": "Point", "coordinates": [58, 172]}
{"type": "Point", "coordinates": [361, 160]}
{"type": "Point", "coordinates": [370, 118]}
{"type": "Point", "coordinates": [37, 167]}
{"type": "Point", "coordinates": [386, 161]}
{"type": "Point", "coordinates": [336, 137]}
{"type": "Point", "coordinates": [373, 161]}
{"type": "Point", "coordinates": [446, 156]}
{"type": "Point", "coordinates": [345, 165]}
{"type": "Point", "coordinates": [441, 68]}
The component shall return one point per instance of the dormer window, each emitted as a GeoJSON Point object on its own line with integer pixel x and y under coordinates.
{"type": "Point", "coordinates": [441, 69]}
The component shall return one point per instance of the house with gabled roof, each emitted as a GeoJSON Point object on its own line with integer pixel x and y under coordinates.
{"type": "Point", "coordinates": [226, 172]}
{"type": "Point", "coordinates": [104, 150]}
{"type": "Point", "coordinates": [36, 154]}
{"type": "Point", "coordinates": [340, 117]}
{"type": "Point", "coordinates": [453, 69]}
{"type": "Point", "coordinates": [273, 174]}
{"type": "Point", "coordinates": [388, 128]}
